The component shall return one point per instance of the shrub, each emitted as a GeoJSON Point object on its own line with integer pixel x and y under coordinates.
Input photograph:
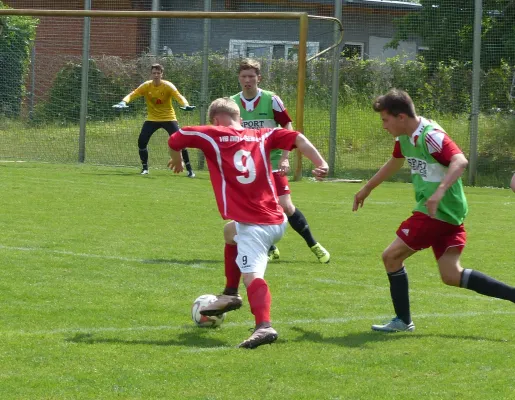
{"type": "Point", "coordinates": [104, 90]}
{"type": "Point", "coordinates": [443, 89]}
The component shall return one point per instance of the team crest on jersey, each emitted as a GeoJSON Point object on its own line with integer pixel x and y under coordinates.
{"type": "Point", "coordinates": [418, 166]}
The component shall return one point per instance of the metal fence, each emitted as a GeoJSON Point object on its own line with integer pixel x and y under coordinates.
{"type": "Point", "coordinates": [426, 48]}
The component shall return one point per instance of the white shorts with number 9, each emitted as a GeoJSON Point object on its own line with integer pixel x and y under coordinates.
{"type": "Point", "coordinates": [253, 243]}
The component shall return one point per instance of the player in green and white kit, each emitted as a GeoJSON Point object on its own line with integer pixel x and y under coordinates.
{"type": "Point", "coordinates": [263, 109]}
{"type": "Point", "coordinates": [436, 165]}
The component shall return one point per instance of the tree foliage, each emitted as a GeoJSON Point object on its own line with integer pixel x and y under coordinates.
{"type": "Point", "coordinates": [446, 28]}
{"type": "Point", "coordinates": [16, 39]}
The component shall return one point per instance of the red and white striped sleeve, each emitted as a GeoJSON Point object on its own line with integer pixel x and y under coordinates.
{"type": "Point", "coordinates": [441, 146]}
{"type": "Point", "coordinates": [281, 115]}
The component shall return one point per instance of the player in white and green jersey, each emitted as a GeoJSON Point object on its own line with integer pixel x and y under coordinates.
{"type": "Point", "coordinates": [436, 164]}
{"type": "Point", "coordinates": [263, 109]}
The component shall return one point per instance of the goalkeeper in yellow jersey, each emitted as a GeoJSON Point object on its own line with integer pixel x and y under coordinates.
{"type": "Point", "coordinates": [158, 95]}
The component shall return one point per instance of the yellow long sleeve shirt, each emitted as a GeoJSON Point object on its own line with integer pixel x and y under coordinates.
{"type": "Point", "coordinates": [158, 99]}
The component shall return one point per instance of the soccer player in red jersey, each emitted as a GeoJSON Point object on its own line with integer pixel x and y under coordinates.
{"type": "Point", "coordinates": [241, 175]}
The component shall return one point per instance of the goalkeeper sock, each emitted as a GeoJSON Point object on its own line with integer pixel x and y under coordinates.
{"type": "Point", "coordinates": [186, 159]}
{"type": "Point", "coordinates": [143, 155]}
{"type": "Point", "coordinates": [300, 225]}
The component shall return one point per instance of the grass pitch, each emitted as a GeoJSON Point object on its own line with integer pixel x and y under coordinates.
{"type": "Point", "coordinates": [99, 267]}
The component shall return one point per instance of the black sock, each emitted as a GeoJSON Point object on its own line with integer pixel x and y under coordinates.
{"type": "Point", "coordinates": [143, 155]}
{"type": "Point", "coordinates": [399, 292]}
{"type": "Point", "coordinates": [300, 225]}
{"type": "Point", "coordinates": [186, 159]}
{"type": "Point", "coordinates": [231, 291]}
{"type": "Point", "coordinates": [483, 284]}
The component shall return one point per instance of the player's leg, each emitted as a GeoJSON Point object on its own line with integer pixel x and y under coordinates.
{"type": "Point", "coordinates": [253, 242]}
{"type": "Point", "coordinates": [393, 259]}
{"type": "Point", "coordinates": [171, 127]}
{"type": "Point", "coordinates": [297, 219]}
{"type": "Point", "coordinates": [453, 274]}
{"type": "Point", "coordinates": [147, 130]}
{"type": "Point", "coordinates": [230, 299]}
{"type": "Point", "coordinates": [415, 233]}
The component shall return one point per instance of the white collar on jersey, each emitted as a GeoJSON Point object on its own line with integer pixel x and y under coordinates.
{"type": "Point", "coordinates": [249, 104]}
{"type": "Point", "coordinates": [423, 123]}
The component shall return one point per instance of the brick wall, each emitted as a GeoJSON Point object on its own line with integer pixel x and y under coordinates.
{"type": "Point", "coordinates": [59, 39]}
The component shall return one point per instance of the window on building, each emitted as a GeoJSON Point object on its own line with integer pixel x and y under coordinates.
{"type": "Point", "coordinates": [353, 50]}
{"type": "Point", "coordinates": [269, 49]}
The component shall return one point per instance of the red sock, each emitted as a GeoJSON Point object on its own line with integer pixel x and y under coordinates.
{"type": "Point", "coordinates": [260, 300]}
{"type": "Point", "coordinates": [232, 271]}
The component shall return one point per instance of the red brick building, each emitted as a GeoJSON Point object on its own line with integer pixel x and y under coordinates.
{"type": "Point", "coordinates": [59, 39]}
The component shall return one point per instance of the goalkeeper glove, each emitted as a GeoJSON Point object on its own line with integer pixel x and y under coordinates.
{"type": "Point", "coordinates": [188, 108]}
{"type": "Point", "coordinates": [120, 105]}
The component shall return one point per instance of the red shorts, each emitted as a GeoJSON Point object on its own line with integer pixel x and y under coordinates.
{"type": "Point", "coordinates": [281, 184]}
{"type": "Point", "coordinates": [420, 231]}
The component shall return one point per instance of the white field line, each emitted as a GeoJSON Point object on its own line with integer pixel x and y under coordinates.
{"type": "Point", "coordinates": [106, 257]}
{"type": "Point", "coordinates": [304, 322]}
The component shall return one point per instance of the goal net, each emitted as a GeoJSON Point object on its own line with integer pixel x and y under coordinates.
{"type": "Point", "coordinates": [50, 117]}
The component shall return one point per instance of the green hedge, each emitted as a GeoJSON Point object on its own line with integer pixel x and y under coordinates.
{"type": "Point", "coordinates": [446, 89]}
{"type": "Point", "coordinates": [63, 101]}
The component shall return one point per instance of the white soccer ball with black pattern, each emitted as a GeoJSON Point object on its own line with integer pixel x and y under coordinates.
{"type": "Point", "coordinates": [202, 320]}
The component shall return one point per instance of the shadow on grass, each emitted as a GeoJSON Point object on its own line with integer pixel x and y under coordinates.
{"type": "Point", "coordinates": [195, 338]}
{"type": "Point", "coordinates": [361, 339]}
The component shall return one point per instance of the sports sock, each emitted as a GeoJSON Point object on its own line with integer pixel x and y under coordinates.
{"type": "Point", "coordinates": [260, 301]}
{"type": "Point", "coordinates": [232, 271]}
{"type": "Point", "coordinates": [399, 292]}
{"type": "Point", "coordinates": [300, 225]}
{"type": "Point", "coordinates": [143, 155]}
{"type": "Point", "coordinates": [186, 159]}
{"type": "Point", "coordinates": [483, 284]}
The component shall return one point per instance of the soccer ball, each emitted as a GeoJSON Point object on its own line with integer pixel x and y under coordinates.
{"type": "Point", "coordinates": [202, 320]}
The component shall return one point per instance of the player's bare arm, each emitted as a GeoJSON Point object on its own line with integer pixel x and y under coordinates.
{"type": "Point", "coordinates": [306, 147]}
{"type": "Point", "coordinates": [456, 168]}
{"type": "Point", "coordinates": [386, 171]}
{"type": "Point", "coordinates": [175, 163]}
{"type": "Point", "coordinates": [284, 162]}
